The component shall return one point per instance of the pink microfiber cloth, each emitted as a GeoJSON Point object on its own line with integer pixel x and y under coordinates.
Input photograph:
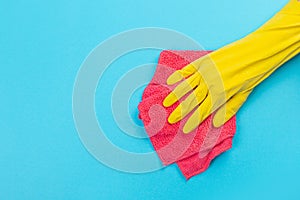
{"type": "Point", "coordinates": [192, 152]}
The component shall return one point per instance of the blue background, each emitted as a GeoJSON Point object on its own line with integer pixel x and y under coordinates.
{"type": "Point", "coordinates": [42, 45]}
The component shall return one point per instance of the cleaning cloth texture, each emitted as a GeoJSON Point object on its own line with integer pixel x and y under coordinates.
{"type": "Point", "coordinates": [194, 152]}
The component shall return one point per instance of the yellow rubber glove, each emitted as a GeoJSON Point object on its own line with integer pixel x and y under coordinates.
{"type": "Point", "coordinates": [222, 80]}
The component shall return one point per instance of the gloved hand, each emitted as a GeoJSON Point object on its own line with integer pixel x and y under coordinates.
{"type": "Point", "coordinates": [222, 80]}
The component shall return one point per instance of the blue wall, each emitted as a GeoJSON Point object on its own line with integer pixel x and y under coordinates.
{"type": "Point", "coordinates": [42, 45]}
